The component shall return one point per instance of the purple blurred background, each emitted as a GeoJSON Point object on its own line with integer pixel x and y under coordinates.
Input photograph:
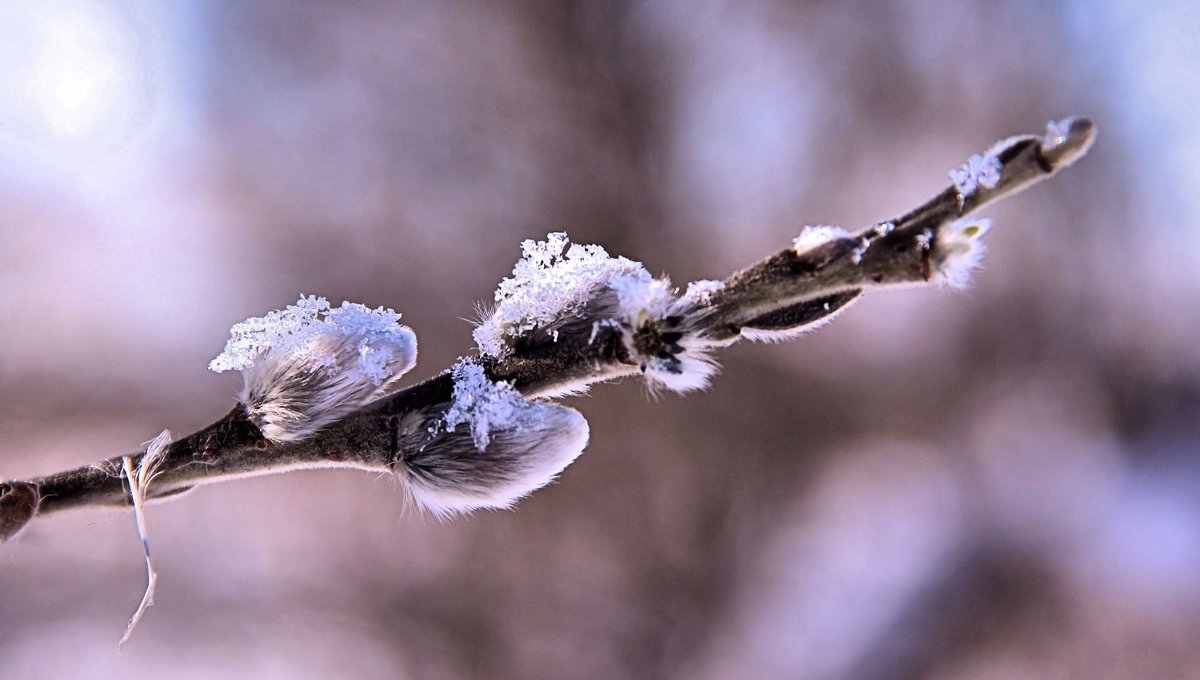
{"type": "Point", "coordinates": [1001, 483]}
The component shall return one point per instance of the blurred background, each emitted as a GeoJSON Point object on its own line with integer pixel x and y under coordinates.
{"type": "Point", "coordinates": [1002, 483]}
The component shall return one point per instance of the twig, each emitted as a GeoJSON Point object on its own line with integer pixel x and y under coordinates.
{"type": "Point", "coordinates": [587, 343]}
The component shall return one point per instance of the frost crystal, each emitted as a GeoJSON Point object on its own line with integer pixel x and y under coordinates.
{"type": "Point", "coordinates": [308, 364]}
{"type": "Point", "coordinates": [556, 282]}
{"type": "Point", "coordinates": [555, 278]}
{"type": "Point", "coordinates": [1058, 130]}
{"type": "Point", "coordinates": [700, 292]}
{"type": "Point", "coordinates": [925, 239]}
{"type": "Point", "coordinates": [448, 474]}
{"type": "Point", "coordinates": [860, 250]}
{"type": "Point", "coordinates": [486, 406]}
{"type": "Point", "coordinates": [978, 171]}
{"type": "Point", "coordinates": [298, 331]}
{"type": "Point", "coordinates": [813, 236]}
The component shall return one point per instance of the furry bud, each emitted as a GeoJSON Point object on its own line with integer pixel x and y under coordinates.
{"type": "Point", "coordinates": [309, 365]}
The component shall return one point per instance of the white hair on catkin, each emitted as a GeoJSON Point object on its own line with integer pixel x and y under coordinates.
{"type": "Point", "coordinates": [310, 365]}
{"type": "Point", "coordinates": [784, 333]}
{"type": "Point", "coordinates": [688, 371]}
{"type": "Point", "coordinates": [447, 474]}
{"type": "Point", "coordinates": [959, 250]}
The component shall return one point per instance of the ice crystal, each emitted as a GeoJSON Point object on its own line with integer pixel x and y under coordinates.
{"type": "Point", "coordinates": [925, 239]}
{"type": "Point", "coordinates": [700, 292]}
{"type": "Point", "coordinates": [486, 406]}
{"type": "Point", "coordinates": [978, 171]}
{"type": "Point", "coordinates": [555, 278]}
{"type": "Point", "coordinates": [298, 330]}
{"type": "Point", "coordinates": [813, 236]}
{"type": "Point", "coordinates": [860, 250]}
{"type": "Point", "coordinates": [1059, 130]}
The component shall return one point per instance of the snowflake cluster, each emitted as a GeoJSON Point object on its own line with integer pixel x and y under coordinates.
{"type": "Point", "coordinates": [978, 171]}
{"type": "Point", "coordinates": [701, 292]}
{"type": "Point", "coordinates": [556, 280]}
{"type": "Point", "coordinates": [555, 277]}
{"type": "Point", "coordinates": [1058, 130]}
{"type": "Point", "coordinates": [485, 406]}
{"type": "Point", "coordinates": [813, 236]}
{"type": "Point", "coordinates": [302, 332]}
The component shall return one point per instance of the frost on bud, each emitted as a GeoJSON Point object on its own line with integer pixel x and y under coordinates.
{"type": "Point", "coordinates": [1067, 140]}
{"type": "Point", "coordinates": [1057, 131]}
{"type": "Point", "coordinates": [959, 250]}
{"type": "Point", "coordinates": [509, 447]}
{"type": "Point", "coordinates": [978, 171]}
{"type": "Point", "coordinates": [560, 291]}
{"type": "Point", "coordinates": [556, 279]}
{"type": "Point", "coordinates": [310, 365]}
{"type": "Point", "coordinates": [813, 236]}
{"type": "Point", "coordinates": [483, 405]}
{"type": "Point", "coordinates": [701, 292]}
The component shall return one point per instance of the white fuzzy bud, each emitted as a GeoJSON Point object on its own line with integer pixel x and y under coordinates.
{"type": "Point", "coordinates": [557, 284]}
{"type": "Point", "coordinates": [556, 279]}
{"type": "Point", "coordinates": [509, 447]}
{"type": "Point", "coordinates": [310, 365]}
{"type": "Point", "coordinates": [959, 250]}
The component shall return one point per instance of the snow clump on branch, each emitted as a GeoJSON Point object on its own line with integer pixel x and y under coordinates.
{"type": "Point", "coordinates": [558, 284]}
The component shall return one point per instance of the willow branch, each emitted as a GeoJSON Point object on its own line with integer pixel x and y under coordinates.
{"type": "Point", "coordinates": [788, 290]}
